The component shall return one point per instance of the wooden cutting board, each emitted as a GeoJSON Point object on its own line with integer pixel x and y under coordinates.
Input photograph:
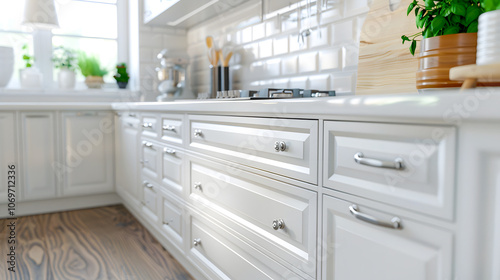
{"type": "Point", "coordinates": [386, 65]}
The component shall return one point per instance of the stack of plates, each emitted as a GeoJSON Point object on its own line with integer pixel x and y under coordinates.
{"type": "Point", "coordinates": [6, 65]}
{"type": "Point", "coordinates": [488, 41]}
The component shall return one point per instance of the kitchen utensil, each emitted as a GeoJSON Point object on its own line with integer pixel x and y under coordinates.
{"type": "Point", "coordinates": [210, 42]}
{"type": "Point", "coordinates": [227, 58]}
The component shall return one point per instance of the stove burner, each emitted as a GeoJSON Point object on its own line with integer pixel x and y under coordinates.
{"type": "Point", "coordinates": [274, 93]}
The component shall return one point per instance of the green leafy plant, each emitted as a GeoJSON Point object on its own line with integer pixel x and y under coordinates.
{"type": "Point", "coordinates": [90, 66]}
{"type": "Point", "coordinates": [443, 17]}
{"type": "Point", "coordinates": [28, 59]}
{"type": "Point", "coordinates": [121, 73]}
{"type": "Point", "coordinates": [64, 58]}
{"type": "Point", "coordinates": [490, 5]}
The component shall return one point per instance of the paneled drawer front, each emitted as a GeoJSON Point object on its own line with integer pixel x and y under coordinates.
{"type": "Point", "coordinates": [173, 220]}
{"type": "Point", "coordinates": [275, 215]}
{"type": "Point", "coordinates": [358, 249]}
{"type": "Point", "coordinates": [150, 200]}
{"type": "Point", "coordinates": [149, 159]}
{"type": "Point", "coordinates": [171, 128]}
{"type": "Point", "coordinates": [221, 255]}
{"type": "Point", "coordinates": [149, 126]}
{"type": "Point", "coordinates": [425, 154]}
{"type": "Point", "coordinates": [253, 142]}
{"type": "Point", "coordinates": [172, 169]}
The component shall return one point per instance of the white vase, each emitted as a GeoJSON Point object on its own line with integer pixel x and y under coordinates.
{"type": "Point", "coordinates": [30, 78]}
{"type": "Point", "coordinates": [66, 78]}
{"type": "Point", "coordinates": [488, 38]}
{"type": "Point", "coordinates": [6, 65]}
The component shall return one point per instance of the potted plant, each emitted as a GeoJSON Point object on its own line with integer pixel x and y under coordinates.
{"type": "Point", "coordinates": [90, 67]}
{"type": "Point", "coordinates": [489, 33]}
{"type": "Point", "coordinates": [121, 76]}
{"type": "Point", "coordinates": [65, 60]}
{"type": "Point", "coordinates": [30, 76]}
{"type": "Point", "coordinates": [449, 31]}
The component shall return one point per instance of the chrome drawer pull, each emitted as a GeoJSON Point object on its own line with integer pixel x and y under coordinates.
{"type": "Point", "coordinates": [197, 133]}
{"type": "Point", "coordinates": [197, 186]}
{"type": "Point", "coordinates": [144, 161]}
{"type": "Point", "coordinates": [394, 223]}
{"type": "Point", "coordinates": [147, 125]}
{"type": "Point", "coordinates": [278, 224]}
{"type": "Point", "coordinates": [147, 144]}
{"type": "Point", "coordinates": [148, 185]}
{"type": "Point", "coordinates": [396, 164]}
{"type": "Point", "coordinates": [280, 146]}
{"type": "Point", "coordinates": [196, 242]}
{"type": "Point", "coordinates": [169, 127]}
{"type": "Point", "coordinates": [132, 115]}
{"type": "Point", "coordinates": [169, 151]}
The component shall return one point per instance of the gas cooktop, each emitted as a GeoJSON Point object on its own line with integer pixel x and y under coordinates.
{"type": "Point", "coordinates": [272, 93]}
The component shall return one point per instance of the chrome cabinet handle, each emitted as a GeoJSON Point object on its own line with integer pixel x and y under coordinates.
{"type": "Point", "coordinates": [197, 133]}
{"type": "Point", "coordinates": [147, 144]}
{"type": "Point", "coordinates": [278, 224]}
{"type": "Point", "coordinates": [395, 222]}
{"type": "Point", "coordinates": [169, 127]}
{"type": "Point", "coordinates": [280, 146]}
{"type": "Point", "coordinates": [197, 186]}
{"type": "Point", "coordinates": [169, 151]}
{"type": "Point", "coordinates": [143, 161]}
{"type": "Point", "coordinates": [396, 164]}
{"type": "Point", "coordinates": [132, 115]}
{"type": "Point", "coordinates": [148, 185]}
{"type": "Point", "coordinates": [196, 241]}
{"type": "Point", "coordinates": [147, 125]}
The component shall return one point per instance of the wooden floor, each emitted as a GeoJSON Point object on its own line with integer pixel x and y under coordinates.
{"type": "Point", "coordinates": [99, 243]}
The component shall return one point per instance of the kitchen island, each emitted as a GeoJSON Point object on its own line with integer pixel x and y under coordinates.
{"type": "Point", "coordinates": [403, 186]}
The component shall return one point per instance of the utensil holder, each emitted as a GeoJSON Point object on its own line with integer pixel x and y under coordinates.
{"type": "Point", "coordinates": [225, 78]}
{"type": "Point", "coordinates": [219, 78]}
{"type": "Point", "coordinates": [214, 80]}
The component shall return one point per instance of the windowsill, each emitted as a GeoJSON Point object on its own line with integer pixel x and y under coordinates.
{"type": "Point", "coordinates": [60, 95]}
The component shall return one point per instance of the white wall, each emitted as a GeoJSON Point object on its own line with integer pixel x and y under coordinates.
{"type": "Point", "coordinates": [267, 53]}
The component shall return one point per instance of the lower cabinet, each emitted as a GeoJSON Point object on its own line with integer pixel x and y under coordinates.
{"type": "Point", "coordinates": [7, 154]}
{"type": "Point", "coordinates": [150, 198]}
{"type": "Point", "coordinates": [358, 248]}
{"type": "Point", "coordinates": [173, 218]}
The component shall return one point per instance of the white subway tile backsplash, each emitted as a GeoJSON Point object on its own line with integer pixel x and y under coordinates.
{"type": "Point", "coordinates": [289, 21]}
{"type": "Point", "coordinates": [350, 54]}
{"type": "Point", "coordinates": [308, 62]}
{"type": "Point", "coordinates": [299, 82]}
{"type": "Point", "coordinates": [319, 37]}
{"type": "Point", "coordinates": [280, 45]}
{"type": "Point", "coordinates": [297, 42]}
{"type": "Point", "coordinates": [321, 82]}
{"type": "Point", "coordinates": [289, 66]}
{"type": "Point", "coordinates": [258, 31]}
{"type": "Point", "coordinates": [343, 83]}
{"type": "Point", "coordinates": [246, 35]}
{"type": "Point", "coordinates": [273, 67]}
{"type": "Point", "coordinates": [272, 27]}
{"type": "Point", "coordinates": [281, 83]}
{"type": "Point", "coordinates": [356, 7]}
{"type": "Point", "coordinates": [266, 48]}
{"type": "Point", "coordinates": [330, 59]}
{"type": "Point", "coordinates": [343, 32]}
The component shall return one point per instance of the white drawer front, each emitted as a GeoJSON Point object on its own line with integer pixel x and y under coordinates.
{"type": "Point", "coordinates": [172, 169]}
{"type": "Point", "coordinates": [356, 249]}
{"type": "Point", "coordinates": [149, 159]}
{"type": "Point", "coordinates": [221, 254]}
{"type": "Point", "coordinates": [425, 183]}
{"type": "Point", "coordinates": [172, 219]}
{"type": "Point", "coordinates": [251, 141]}
{"type": "Point", "coordinates": [150, 200]}
{"type": "Point", "coordinates": [171, 129]}
{"type": "Point", "coordinates": [149, 126]}
{"type": "Point", "coordinates": [255, 203]}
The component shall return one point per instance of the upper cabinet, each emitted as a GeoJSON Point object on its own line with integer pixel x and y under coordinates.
{"type": "Point", "coordinates": [184, 13]}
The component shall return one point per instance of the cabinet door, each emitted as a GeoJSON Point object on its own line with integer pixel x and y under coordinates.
{"type": "Point", "coordinates": [127, 153]}
{"type": "Point", "coordinates": [39, 165]}
{"type": "Point", "coordinates": [356, 249]}
{"type": "Point", "coordinates": [7, 152]}
{"type": "Point", "coordinates": [88, 152]}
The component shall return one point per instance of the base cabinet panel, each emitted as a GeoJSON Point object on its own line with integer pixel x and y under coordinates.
{"type": "Point", "coordinates": [127, 157]}
{"type": "Point", "coordinates": [7, 154]}
{"type": "Point", "coordinates": [357, 249]}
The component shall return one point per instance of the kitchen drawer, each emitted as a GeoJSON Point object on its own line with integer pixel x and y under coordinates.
{"type": "Point", "coordinates": [256, 206]}
{"type": "Point", "coordinates": [150, 200]}
{"type": "Point", "coordinates": [173, 218]}
{"type": "Point", "coordinates": [251, 142]}
{"type": "Point", "coordinates": [149, 126]}
{"type": "Point", "coordinates": [358, 249]}
{"type": "Point", "coordinates": [171, 129]}
{"type": "Point", "coordinates": [425, 183]}
{"type": "Point", "coordinates": [171, 169]}
{"type": "Point", "coordinates": [223, 256]}
{"type": "Point", "coordinates": [150, 152]}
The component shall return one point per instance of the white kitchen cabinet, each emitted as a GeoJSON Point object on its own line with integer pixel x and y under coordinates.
{"type": "Point", "coordinates": [88, 152]}
{"type": "Point", "coordinates": [39, 164]}
{"type": "Point", "coordinates": [150, 200]}
{"type": "Point", "coordinates": [174, 220]}
{"type": "Point", "coordinates": [127, 157]}
{"type": "Point", "coordinates": [359, 249]}
{"type": "Point", "coordinates": [172, 162]}
{"type": "Point", "coordinates": [8, 148]}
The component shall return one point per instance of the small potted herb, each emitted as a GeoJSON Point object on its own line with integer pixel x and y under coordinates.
{"type": "Point", "coordinates": [449, 31]}
{"type": "Point", "coordinates": [66, 61]}
{"type": "Point", "coordinates": [30, 76]}
{"type": "Point", "coordinates": [121, 75]}
{"type": "Point", "coordinates": [90, 67]}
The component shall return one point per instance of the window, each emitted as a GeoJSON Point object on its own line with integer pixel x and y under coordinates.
{"type": "Point", "coordinates": [85, 25]}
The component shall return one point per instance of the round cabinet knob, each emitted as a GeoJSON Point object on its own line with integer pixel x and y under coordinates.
{"type": "Point", "coordinates": [169, 127]}
{"type": "Point", "coordinates": [279, 146]}
{"type": "Point", "coordinates": [196, 242]}
{"type": "Point", "coordinates": [278, 224]}
{"type": "Point", "coordinates": [197, 133]}
{"type": "Point", "coordinates": [147, 125]}
{"type": "Point", "coordinates": [197, 186]}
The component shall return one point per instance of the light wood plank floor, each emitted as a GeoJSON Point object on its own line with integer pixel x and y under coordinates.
{"type": "Point", "coordinates": [99, 243]}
